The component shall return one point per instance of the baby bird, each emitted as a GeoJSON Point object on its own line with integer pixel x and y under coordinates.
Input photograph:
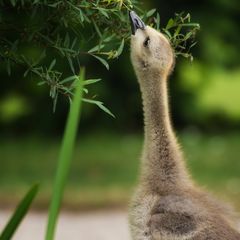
{"type": "Point", "coordinates": [167, 204]}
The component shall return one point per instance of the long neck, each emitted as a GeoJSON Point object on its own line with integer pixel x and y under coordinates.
{"type": "Point", "coordinates": [163, 169]}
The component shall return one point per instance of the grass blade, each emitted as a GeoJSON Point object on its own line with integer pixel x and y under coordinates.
{"type": "Point", "coordinates": [19, 213]}
{"type": "Point", "coordinates": [65, 157]}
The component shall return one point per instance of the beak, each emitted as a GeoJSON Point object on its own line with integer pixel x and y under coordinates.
{"type": "Point", "coordinates": [136, 22]}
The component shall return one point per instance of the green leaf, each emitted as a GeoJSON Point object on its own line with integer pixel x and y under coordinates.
{"type": "Point", "coordinates": [67, 90]}
{"type": "Point", "coordinates": [150, 13]}
{"type": "Point", "coordinates": [168, 34]}
{"type": "Point", "coordinates": [103, 61]}
{"type": "Point", "coordinates": [74, 43]}
{"type": "Point", "coordinates": [85, 90]}
{"type": "Point", "coordinates": [54, 5]}
{"type": "Point", "coordinates": [19, 213]}
{"type": "Point", "coordinates": [69, 79]}
{"type": "Point", "coordinates": [186, 55]}
{"type": "Point", "coordinates": [101, 10]}
{"type": "Point", "coordinates": [52, 65]}
{"type": "Point", "coordinates": [92, 81]}
{"type": "Point", "coordinates": [81, 15]}
{"type": "Point", "coordinates": [100, 105]}
{"type": "Point", "coordinates": [106, 110]}
{"type": "Point", "coordinates": [71, 64]}
{"type": "Point", "coordinates": [41, 83]}
{"type": "Point", "coordinates": [158, 21]}
{"type": "Point", "coordinates": [190, 25]}
{"type": "Point", "coordinates": [170, 24]}
{"type": "Point", "coordinates": [66, 41]}
{"type": "Point", "coordinates": [120, 49]}
{"type": "Point", "coordinates": [26, 72]}
{"type": "Point", "coordinates": [192, 45]}
{"type": "Point", "coordinates": [65, 156]}
{"type": "Point", "coordinates": [177, 31]}
{"type": "Point", "coordinates": [96, 48]}
{"type": "Point", "coordinates": [97, 29]}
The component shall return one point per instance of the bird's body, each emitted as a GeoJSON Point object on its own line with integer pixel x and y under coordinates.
{"type": "Point", "coordinates": [167, 204]}
{"type": "Point", "coordinates": [186, 214]}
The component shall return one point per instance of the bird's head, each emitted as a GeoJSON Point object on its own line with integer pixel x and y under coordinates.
{"type": "Point", "coordinates": [151, 51]}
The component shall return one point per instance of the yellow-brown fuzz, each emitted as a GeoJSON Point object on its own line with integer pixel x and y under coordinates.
{"type": "Point", "coordinates": [167, 204]}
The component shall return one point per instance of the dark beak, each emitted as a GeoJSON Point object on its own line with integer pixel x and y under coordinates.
{"type": "Point", "coordinates": [136, 22]}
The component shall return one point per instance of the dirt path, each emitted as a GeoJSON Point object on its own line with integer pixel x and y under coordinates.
{"type": "Point", "coordinates": [81, 226]}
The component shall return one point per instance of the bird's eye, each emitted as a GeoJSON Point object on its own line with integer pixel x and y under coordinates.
{"type": "Point", "coordinates": [146, 42]}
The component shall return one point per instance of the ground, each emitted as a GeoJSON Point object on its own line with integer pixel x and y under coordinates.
{"type": "Point", "coordinates": [101, 225]}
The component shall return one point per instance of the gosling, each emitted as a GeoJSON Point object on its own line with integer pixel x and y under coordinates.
{"type": "Point", "coordinates": [167, 204]}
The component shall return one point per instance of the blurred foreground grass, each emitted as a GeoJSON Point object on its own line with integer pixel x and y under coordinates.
{"type": "Point", "coordinates": [105, 167]}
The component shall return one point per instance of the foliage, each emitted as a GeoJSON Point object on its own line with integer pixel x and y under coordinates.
{"type": "Point", "coordinates": [19, 214]}
{"type": "Point", "coordinates": [70, 32]}
{"type": "Point", "coordinates": [182, 41]}
{"type": "Point", "coordinates": [65, 156]}
{"type": "Point", "coordinates": [180, 31]}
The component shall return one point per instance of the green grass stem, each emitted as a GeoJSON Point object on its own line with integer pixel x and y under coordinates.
{"type": "Point", "coordinates": [65, 157]}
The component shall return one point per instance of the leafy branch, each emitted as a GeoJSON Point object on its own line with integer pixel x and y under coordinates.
{"type": "Point", "coordinates": [181, 33]}
{"type": "Point", "coordinates": [74, 31]}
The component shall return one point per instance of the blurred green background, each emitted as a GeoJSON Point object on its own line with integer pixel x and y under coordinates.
{"type": "Point", "coordinates": [205, 103]}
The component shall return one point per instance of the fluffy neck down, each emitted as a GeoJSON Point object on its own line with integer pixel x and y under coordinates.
{"type": "Point", "coordinates": [163, 170]}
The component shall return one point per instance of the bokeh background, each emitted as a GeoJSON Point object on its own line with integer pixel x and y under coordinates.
{"type": "Point", "coordinates": [205, 103]}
